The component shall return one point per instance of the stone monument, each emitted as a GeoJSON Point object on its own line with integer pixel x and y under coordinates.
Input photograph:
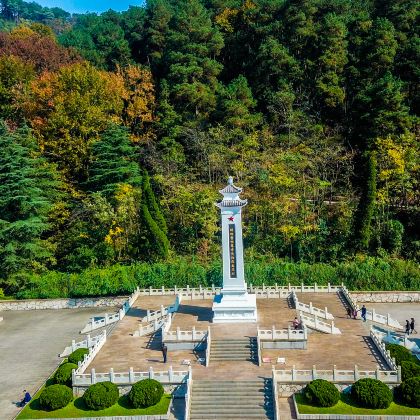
{"type": "Point", "coordinates": [234, 304]}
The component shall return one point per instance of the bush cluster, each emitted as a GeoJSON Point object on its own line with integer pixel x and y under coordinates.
{"type": "Point", "coordinates": [145, 393]}
{"type": "Point", "coordinates": [63, 374]}
{"type": "Point", "coordinates": [322, 393]}
{"type": "Point", "coordinates": [366, 274]}
{"type": "Point", "coordinates": [371, 393]}
{"type": "Point", "coordinates": [400, 353]}
{"type": "Point", "coordinates": [101, 395]}
{"type": "Point", "coordinates": [55, 396]}
{"type": "Point", "coordinates": [78, 355]}
{"type": "Point", "coordinates": [410, 392]}
{"type": "Point", "coordinates": [409, 370]}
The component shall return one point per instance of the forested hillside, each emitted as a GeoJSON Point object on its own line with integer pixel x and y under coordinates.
{"type": "Point", "coordinates": [117, 130]}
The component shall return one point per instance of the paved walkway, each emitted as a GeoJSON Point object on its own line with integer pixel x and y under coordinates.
{"type": "Point", "coordinates": [29, 344]}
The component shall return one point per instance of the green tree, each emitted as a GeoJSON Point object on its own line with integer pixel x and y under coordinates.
{"type": "Point", "coordinates": [27, 189]}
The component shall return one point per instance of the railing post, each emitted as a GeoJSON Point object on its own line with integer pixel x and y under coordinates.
{"type": "Point", "coordinates": [373, 314]}
{"type": "Point", "coordinates": [263, 287]}
{"type": "Point", "coordinates": [315, 287]}
{"type": "Point", "coordinates": [314, 375]}
{"type": "Point", "coordinates": [170, 374]}
{"type": "Point", "coordinates": [293, 372]}
{"type": "Point", "coordinates": [334, 371]}
{"type": "Point", "coordinates": [213, 289]}
{"type": "Point", "coordinates": [150, 290]}
{"type": "Point", "coordinates": [193, 333]}
{"type": "Point", "coordinates": [332, 327]}
{"type": "Point", "coordinates": [188, 288]}
{"type": "Point", "coordinates": [305, 332]}
{"type": "Point", "coordinates": [398, 373]}
{"type": "Point", "coordinates": [272, 333]}
{"type": "Point", "coordinates": [89, 341]}
{"type": "Point", "coordinates": [377, 372]}
{"type": "Point", "coordinates": [111, 375]}
{"type": "Point", "coordinates": [175, 290]}
{"type": "Point", "coordinates": [151, 373]}
{"type": "Point", "coordinates": [148, 315]}
{"type": "Point", "coordinates": [356, 373]}
{"type": "Point", "coordinates": [277, 287]}
{"type": "Point", "coordinates": [200, 289]}
{"type": "Point", "coordinates": [311, 309]}
{"type": "Point", "coordinates": [92, 376]}
{"type": "Point", "coordinates": [73, 345]}
{"type": "Point", "coordinates": [316, 321]}
{"type": "Point", "coordinates": [73, 377]}
{"type": "Point", "coordinates": [290, 287]}
{"type": "Point", "coordinates": [388, 316]}
{"type": "Point", "coordinates": [301, 287]}
{"type": "Point", "coordinates": [329, 287]}
{"type": "Point", "coordinates": [178, 333]}
{"type": "Point", "coordinates": [289, 332]}
{"type": "Point", "coordinates": [162, 310]}
{"type": "Point", "coordinates": [163, 290]}
{"type": "Point", "coordinates": [131, 375]}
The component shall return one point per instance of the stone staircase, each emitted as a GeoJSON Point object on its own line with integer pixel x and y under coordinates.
{"type": "Point", "coordinates": [244, 349]}
{"type": "Point", "coordinates": [225, 400]}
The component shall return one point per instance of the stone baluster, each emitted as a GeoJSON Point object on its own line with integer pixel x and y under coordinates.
{"type": "Point", "coordinates": [311, 308]}
{"type": "Point", "coordinates": [388, 318]}
{"type": "Point", "coordinates": [131, 375]}
{"type": "Point", "coordinates": [162, 310]}
{"type": "Point", "coordinates": [290, 287]}
{"type": "Point", "coordinates": [178, 333]}
{"type": "Point", "coordinates": [293, 372]}
{"type": "Point", "coordinates": [329, 287]}
{"type": "Point", "coordinates": [213, 289]}
{"type": "Point", "coordinates": [332, 327]}
{"type": "Point", "coordinates": [175, 290]}
{"type": "Point", "coordinates": [170, 374]}
{"type": "Point", "coordinates": [356, 373]}
{"type": "Point", "coordinates": [148, 315]}
{"type": "Point", "coordinates": [273, 332]}
{"type": "Point", "coordinates": [150, 290]}
{"type": "Point", "coordinates": [193, 333]}
{"type": "Point", "coordinates": [377, 373]}
{"type": "Point", "coordinates": [92, 376]}
{"type": "Point", "coordinates": [188, 288]}
{"type": "Point", "coordinates": [326, 312]}
{"type": "Point", "coordinates": [301, 287]}
{"type": "Point", "coordinates": [334, 372]}
{"type": "Point", "coordinates": [111, 375]}
{"type": "Point", "coordinates": [73, 345]}
{"type": "Point", "coordinates": [314, 374]}
{"type": "Point", "coordinates": [399, 378]}
{"type": "Point", "coordinates": [151, 373]}
{"type": "Point", "coordinates": [315, 287]}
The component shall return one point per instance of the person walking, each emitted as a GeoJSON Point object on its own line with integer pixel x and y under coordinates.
{"type": "Point", "coordinates": [355, 310]}
{"type": "Point", "coordinates": [363, 313]}
{"type": "Point", "coordinates": [164, 352]}
{"type": "Point", "coordinates": [296, 323]}
{"type": "Point", "coordinates": [412, 326]}
{"type": "Point", "coordinates": [407, 327]}
{"type": "Point", "coordinates": [349, 312]}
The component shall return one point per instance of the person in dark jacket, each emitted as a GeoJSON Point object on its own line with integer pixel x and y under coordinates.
{"type": "Point", "coordinates": [363, 313]}
{"type": "Point", "coordinates": [407, 327]}
{"type": "Point", "coordinates": [164, 352]}
{"type": "Point", "coordinates": [26, 398]}
{"type": "Point", "coordinates": [412, 326]}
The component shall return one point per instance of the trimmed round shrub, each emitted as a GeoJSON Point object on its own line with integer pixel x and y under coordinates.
{"type": "Point", "coordinates": [63, 374]}
{"type": "Point", "coordinates": [409, 370]}
{"type": "Point", "coordinates": [400, 353]}
{"type": "Point", "coordinates": [101, 395]}
{"type": "Point", "coordinates": [371, 393]}
{"type": "Point", "coordinates": [78, 355]}
{"type": "Point", "coordinates": [409, 392]}
{"type": "Point", "coordinates": [55, 396]}
{"type": "Point", "coordinates": [145, 393]}
{"type": "Point", "coordinates": [322, 393]}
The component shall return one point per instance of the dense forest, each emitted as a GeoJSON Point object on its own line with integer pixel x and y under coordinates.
{"type": "Point", "coordinates": [118, 129]}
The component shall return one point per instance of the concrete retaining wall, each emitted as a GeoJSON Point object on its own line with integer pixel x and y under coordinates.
{"type": "Point", "coordinates": [186, 345]}
{"type": "Point", "coordinates": [31, 304]}
{"type": "Point", "coordinates": [385, 297]}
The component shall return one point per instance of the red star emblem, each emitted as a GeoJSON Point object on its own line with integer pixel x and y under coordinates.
{"type": "Point", "coordinates": [230, 218]}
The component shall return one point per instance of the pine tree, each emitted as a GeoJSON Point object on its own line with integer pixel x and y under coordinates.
{"type": "Point", "coordinates": [114, 162]}
{"type": "Point", "coordinates": [27, 188]}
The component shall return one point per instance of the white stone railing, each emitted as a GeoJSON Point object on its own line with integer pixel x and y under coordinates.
{"type": "Point", "coordinates": [386, 354]}
{"type": "Point", "coordinates": [101, 322]}
{"type": "Point", "coordinates": [87, 344]}
{"type": "Point", "coordinates": [312, 321]}
{"type": "Point", "coordinates": [261, 291]}
{"type": "Point", "coordinates": [93, 351]}
{"type": "Point", "coordinates": [310, 309]}
{"type": "Point", "coordinates": [179, 335]}
{"type": "Point", "coordinates": [287, 334]}
{"type": "Point", "coordinates": [153, 326]}
{"type": "Point", "coordinates": [208, 345]}
{"type": "Point", "coordinates": [163, 311]}
{"type": "Point", "coordinates": [188, 395]}
{"type": "Point", "coordinates": [127, 378]}
{"type": "Point", "coordinates": [336, 375]}
{"type": "Point", "coordinates": [259, 351]}
{"type": "Point", "coordinates": [372, 315]}
{"type": "Point", "coordinates": [275, 390]}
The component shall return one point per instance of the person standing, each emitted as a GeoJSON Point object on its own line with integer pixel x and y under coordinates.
{"type": "Point", "coordinates": [363, 312]}
{"type": "Point", "coordinates": [349, 312]}
{"type": "Point", "coordinates": [164, 352]}
{"type": "Point", "coordinates": [407, 327]}
{"type": "Point", "coordinates": [412, 326]}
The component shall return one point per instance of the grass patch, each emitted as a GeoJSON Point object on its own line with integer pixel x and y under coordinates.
{"type": "Point", "coordinates": [347, 406]}
{"type": "Point", "coordinates": [77, 409]}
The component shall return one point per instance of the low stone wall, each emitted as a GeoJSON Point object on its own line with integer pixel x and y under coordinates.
{"type": "Point", "coordinates": [298, 344]}
{"type": "Point", "coordinates": [31, 304]}
{"type": "Point", "coordinates": [385, 297]}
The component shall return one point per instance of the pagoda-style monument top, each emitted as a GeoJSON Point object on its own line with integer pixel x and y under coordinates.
{"type": "Point", "coordinates": [231, 196]}
{"type": "Point", "coordinates": [234, 304]}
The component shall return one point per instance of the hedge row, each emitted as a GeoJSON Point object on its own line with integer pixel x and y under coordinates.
{"type": "Point", "coordinates": [366, 273]}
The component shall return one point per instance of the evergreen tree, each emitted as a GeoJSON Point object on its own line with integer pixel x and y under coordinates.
{"type": "Point", "coordinates": [114, 162]}
{"type": "Point", "coordinates": [27, 188]}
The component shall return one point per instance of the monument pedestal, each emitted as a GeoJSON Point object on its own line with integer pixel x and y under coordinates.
{"type": "Point", "coordinates": [238, 307]}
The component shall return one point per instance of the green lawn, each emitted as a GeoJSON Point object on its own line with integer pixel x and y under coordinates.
{"type": "Point", "coordinates": [347, 406]}
{"type": "Point", "coordinates": [78, 409]}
